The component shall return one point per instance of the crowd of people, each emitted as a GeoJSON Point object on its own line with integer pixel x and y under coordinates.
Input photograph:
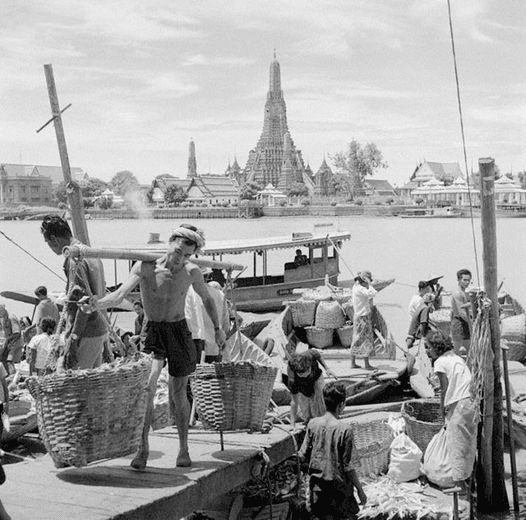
{"type": "Point", "coordinates": [181, 320]}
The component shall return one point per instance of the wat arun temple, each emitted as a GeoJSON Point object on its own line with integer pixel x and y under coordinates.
{"type": "Point", "coordinates": [275, 159]}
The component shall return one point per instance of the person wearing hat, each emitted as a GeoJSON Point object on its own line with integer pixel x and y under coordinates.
{"type": "Point", "coordinates": [428, 286]}
{"type": "Point", "coordinates": [362, 344]}
{"type": "Point", "coordinates": [45, 308]}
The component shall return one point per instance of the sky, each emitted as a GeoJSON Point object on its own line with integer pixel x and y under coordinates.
{"type": "Point", "coordinates": [146, 76]}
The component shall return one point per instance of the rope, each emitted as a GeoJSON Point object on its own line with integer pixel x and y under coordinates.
{"type": "Point", "coordinates": [480, 355]}
{"type": "Point", "coordinates": [33, 257]}
{"type": "Point", "coordinates": [463, 139]}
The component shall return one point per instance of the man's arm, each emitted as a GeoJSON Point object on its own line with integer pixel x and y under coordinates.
{"type": "Point", "coordinates": [352, 477]}
{"type": "Point", "coordinates": [114, 298]}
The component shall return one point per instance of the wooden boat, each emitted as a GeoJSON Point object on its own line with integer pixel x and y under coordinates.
{"type": "Point", "coordinates": [363, 386]}
{"type": "Point", "coordinates": [447, 212]}
{"type": "Point", "coordinates": [266, 292]}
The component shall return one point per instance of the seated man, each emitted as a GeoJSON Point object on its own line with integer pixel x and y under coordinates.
{"type": "Point", "coordinates": [300, 258]}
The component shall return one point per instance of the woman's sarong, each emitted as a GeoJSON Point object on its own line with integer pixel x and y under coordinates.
{"type": "Point", "coordinates": [362, 337]}
{"type": "Point", "coordinates": [462, 419]}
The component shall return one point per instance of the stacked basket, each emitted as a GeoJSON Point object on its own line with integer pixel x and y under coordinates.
{"type": "Point", "coordinates": [423, 420]}
{"type": "Point", "coordinates": [513, 335]}
{"type": "Point", "coordinates": [330, 317]}
{"type": "Point", "coordinates": [88, 415]}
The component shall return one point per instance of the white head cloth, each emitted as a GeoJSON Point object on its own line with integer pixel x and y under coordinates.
{"type": "Point", "coordinates": [197, 237]}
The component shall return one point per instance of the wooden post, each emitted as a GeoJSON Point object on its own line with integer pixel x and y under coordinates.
{"type": "Point", "coordinates": [80, 229]}
{"type": "Point", "coordinates": [491, 488]}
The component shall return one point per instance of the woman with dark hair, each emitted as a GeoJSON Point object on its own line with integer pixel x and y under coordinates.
{"type": "Point", "coordinates": [458, 407]}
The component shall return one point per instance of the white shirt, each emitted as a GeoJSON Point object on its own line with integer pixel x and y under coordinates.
{"type": "Point", "coordinates": [458, 376]}
{"type": "Point", "coordinates": [42, 344]}
{"type": "Point", "coordinates": [362, 298]}
{"type": "Point", "coordinates": [199, 323]}
{"type": "Point", "coordinates": [414, 303]}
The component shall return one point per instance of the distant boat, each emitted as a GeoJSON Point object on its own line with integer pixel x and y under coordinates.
{"type": "Point", "coordinates": [447, 212]}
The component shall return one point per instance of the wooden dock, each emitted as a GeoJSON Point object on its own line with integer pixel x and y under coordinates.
{"type": "Point", "coordinates": [111, 489]}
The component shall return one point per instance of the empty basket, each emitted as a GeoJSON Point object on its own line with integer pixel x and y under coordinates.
{"type": "Point", "coordinates": [345, 335]}
{"type": "Point", "coordinates": [233, 396]}
{"type": "Point", "coordinates": [88, 415]}
{"type": "Point", "coordinates": [372, 441]}
{"type": "Point", "coordinates": [423, 420]}
{"type": "Point", "coordinates": [318, 337]}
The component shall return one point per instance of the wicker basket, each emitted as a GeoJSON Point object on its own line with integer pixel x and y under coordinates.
{"type": "Point", "coordinates": [329, 315]}
{"type": "Point", "coordinates": [319, 338]}
{"type": "Point", "coordinates": [517, 350]}
{"type": "Point", "coordinates": [345, 335]}
{"type": "Point", "coordinates": [233, 396]}
{"type": "Point", "coordinates": [303, 312]}
{"type": "Point", "coordinates": [423, 420]}
{"type": "Point", "coordinates": [514, 328]}
{"type": "Point", "coordinates": [88, 415]}
{"type": "Point", "coordinates": [372, 441]}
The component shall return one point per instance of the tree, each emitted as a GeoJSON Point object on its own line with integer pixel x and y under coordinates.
{"type": "Point", "coordinates": [94, 188]}
{"type": "Point", "coordinates": [298, 189]}
{"type": "Point", "coordinates": [522, 179]}
{"type": "Point", "coordinates": [358, 162]}
{"type": "Point", "coordinates": [123, 182]}
{"type": "Point", "coordinates": [175, 195]}
{"type": "Point", "coordinates": [249, 191]}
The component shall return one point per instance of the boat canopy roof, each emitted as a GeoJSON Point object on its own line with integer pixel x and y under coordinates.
{"type": "Point", "coordinates": [265, 244]}
{"type": "Point", "coordinates": [247, 245]}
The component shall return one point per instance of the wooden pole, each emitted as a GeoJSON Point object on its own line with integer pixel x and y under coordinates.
{"type": "Point", "coordinates": [80, 229]}
{"type": "Point", "coordinates": [491, 489]}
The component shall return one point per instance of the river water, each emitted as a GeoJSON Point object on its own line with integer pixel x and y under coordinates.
{"type": "Point", "coordinates": [391, 247]}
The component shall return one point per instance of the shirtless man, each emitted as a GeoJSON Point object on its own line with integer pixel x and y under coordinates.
{"type": "Point", "coordinates": [164, 285]}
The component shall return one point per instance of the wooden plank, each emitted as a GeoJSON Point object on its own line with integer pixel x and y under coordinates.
{"type": "Point", "coordinates": [112, 490]}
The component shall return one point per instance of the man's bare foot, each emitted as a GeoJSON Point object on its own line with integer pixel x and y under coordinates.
{"type": "Point", "coordinates": [368, 367]}
{"type": "Point", "coordinates": [139, 461]}
{"type": "Point", "coordinates": [355, 365]}
{"type": "Point", "coordinates": [183, 460]}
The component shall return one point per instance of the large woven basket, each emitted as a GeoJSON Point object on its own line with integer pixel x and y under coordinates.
{"type": "Point", "coordinates": [423, 420]}
{"type": "Point", "coordinates": [88, 415]}
{"type": "Point", "coordinates": [233, 396]}
{"type": "Point", "coordinates": [329, 315]}
{"type": "Point", "coordinates": [303, 312]}
{"type": "Point", "coordinates": [319, 338]}
{"type": "Point", "coordinates": [345, 335]}
{"type": "Point", "coordinates": [372, 441]}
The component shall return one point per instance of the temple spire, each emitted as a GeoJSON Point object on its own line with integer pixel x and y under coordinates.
{"type": "Point", "coordinates": [192, 163]}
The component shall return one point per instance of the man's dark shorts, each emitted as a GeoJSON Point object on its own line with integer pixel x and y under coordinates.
{"type": "Point", "coordinates": [327, 500]}
{"type": "Point", "coordinates": [172, 341]}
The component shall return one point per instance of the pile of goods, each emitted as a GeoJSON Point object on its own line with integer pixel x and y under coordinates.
{"type": "Point", "coordinates": [387, 499]}
{"type": "Point", "coordinates": [89, 415]}
{"type": "Point", "coordinates": [324, 313]}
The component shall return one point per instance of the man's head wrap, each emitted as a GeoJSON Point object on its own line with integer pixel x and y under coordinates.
{"type": "Point", "coordinates": [197, 237]}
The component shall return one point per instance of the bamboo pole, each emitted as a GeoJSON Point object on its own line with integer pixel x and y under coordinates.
{"type": "Point", "coordinates": [491, 489]}
{"type": "Point", "coordinates": [80, 229]}
{"type": "Point", "coordinates": [80, 251]}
